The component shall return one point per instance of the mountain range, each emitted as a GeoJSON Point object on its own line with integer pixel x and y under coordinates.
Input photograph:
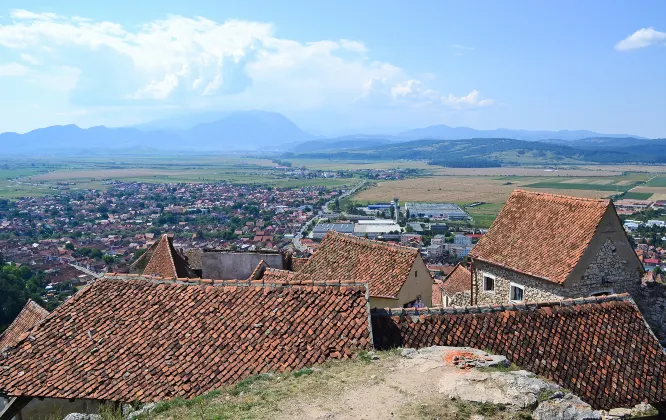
{"type": "Point", "coordinates": [245, 130]}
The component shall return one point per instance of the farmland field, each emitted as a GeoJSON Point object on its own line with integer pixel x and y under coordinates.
{"type": "Point", "coordinates": [494, 190]}
{"type": "Point", "coordinates": [524, 171]}
{"type": "Point", "coordinates": [325, 165]}
{"type": "Point", "coordinates": [659, 181]}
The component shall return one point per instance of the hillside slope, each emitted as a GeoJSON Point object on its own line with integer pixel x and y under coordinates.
{"type": "Point", "coordinates": [481, 152]}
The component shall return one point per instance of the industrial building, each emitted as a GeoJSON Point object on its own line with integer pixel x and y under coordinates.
{"type": "Point", "coordinates": [375, 228]}
{"type": "Point", "coordinates": [444, 211]}
{"type": "Point", "coordinates": [319, 231]}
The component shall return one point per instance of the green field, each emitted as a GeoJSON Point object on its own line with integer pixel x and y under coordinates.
{"type": "Point", "coordinates": [485, 214]}
{"type": "Point", "coordinates": [637, 195]}
{"type": "Point", "coordinates": [659, 181]}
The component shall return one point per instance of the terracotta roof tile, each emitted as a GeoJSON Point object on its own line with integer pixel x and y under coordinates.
{"type": "Point", "coordinates": [274, 275]}
{"type": "Point", "coordinates": [298, 263]}
{"type": "Point", "coordinates": [30, 315]}
{"type": "Point", "coordinates": [542, 235]}
{"type": "Point", "coordinates": [165, 261]}
{"type": "Point", "coordinates": [599, 348]}
{"type": "Point", "coordinates": [437, 293]}
{"type": "Point", "coordinates": [343, 257]}
{"type": "Point", "coordinates": [143, 340]}
{"type": "Point", "coordinates": [459, 281]}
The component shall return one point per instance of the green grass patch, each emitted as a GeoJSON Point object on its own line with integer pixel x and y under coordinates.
{"type": "Point", "coordinates": [659, 181]}
{"type": "Point", "coordinates": [485, 214]}
{"type": "Point", "coordinates": [631, 195]}
{"type": "Point", "coordinates": [303, 372]}
{"type": "Point", "coordinates": [591, 187]}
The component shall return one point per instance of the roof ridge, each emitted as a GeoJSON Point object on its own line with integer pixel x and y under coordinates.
{"type": "Point", "coordinates": [366, 241]}
{"type": "Point", "coordinates": [525, 306]}
{"type": "Point", "coordinates": [195, 281]}
{"type": "Point", "coordinates": [569, 197]}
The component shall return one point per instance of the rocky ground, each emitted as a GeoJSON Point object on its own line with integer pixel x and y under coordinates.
{"type": "Point", "coordinates": [431, 383]}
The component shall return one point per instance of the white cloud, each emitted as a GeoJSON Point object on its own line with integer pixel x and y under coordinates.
{"type": "Point", "coordinates": [29, 59]}
{"type": "Point", "coordinates": [13, 69]}
{"type": "Point", "coordinates": [640, 39]}
{"type": "Point", "coordinates": [461, 47]}
{"type": "Point", "coordinates": [19, 14]}
{"type": "Point", "coordinates": [200, 62]}
{"type": "Point", "coordinates": [471, 100]}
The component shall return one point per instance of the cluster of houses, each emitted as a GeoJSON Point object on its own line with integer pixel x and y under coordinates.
{"type": "Point", "coordinates": [546, 258]}
{"type": "Point", "coordinates": [46, 232]}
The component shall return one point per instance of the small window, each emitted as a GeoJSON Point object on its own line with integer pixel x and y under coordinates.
{"type": "Point", "coordinates": [517, 293]}
{"type": "Point", "coordinates": [416, 273]}
{"type": "Point", "coordinates": [488, 284]}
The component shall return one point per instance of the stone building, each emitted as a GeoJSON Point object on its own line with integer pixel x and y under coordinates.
{"type": "Point", "coordinates": [397, 275]}
{"type": "Point", "coordinates": [455, 289]}
{"type": "Point", "coordinates": [548, 247]}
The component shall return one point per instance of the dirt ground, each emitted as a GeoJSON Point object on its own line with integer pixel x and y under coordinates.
{"type": "Point", "coordinates": [392, 387]}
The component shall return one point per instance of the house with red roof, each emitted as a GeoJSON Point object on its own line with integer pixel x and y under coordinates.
{"type": "Point", "coordinates": [455, 289]}
{"type": "Point", "coordinates": [548, 247]}
{"type": "Point", "coordinates": [397, 275]}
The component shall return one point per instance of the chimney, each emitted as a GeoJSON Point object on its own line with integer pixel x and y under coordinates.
{"type": "Point", "coordinates": [396, 205]}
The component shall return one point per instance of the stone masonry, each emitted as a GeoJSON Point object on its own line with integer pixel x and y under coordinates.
{"type": "Point", "coordinates": [607, 272]}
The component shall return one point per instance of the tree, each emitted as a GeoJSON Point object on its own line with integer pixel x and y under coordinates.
{"type": "Point", "coordinates": [392, 212]}
{"type": "Point", "coordinates": [108, 259]}
{"type": "Point", "coordinates": [17, 285]}
{"type": "Point", "coordinates": [2, 260]}
{"type": "Point", "coordinates": [407, 214]}
{"type": "Point", "coordinates": [69, 246]}
{"type": "Point", "coordinates": [337, 204]}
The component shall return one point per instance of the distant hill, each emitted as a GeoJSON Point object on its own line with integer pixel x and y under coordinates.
{"type": "Point", "coordinates": [350, 144]}
{"type": "Point", "coordinates": [248, 130]}
{"type": "Point", "coordinates": [270, 131]}
{"type": "Point", "coordinates": [253, 129]}
{"type": "Point", "coordinates": [483, 152]}
{"type": "Point", "coordinates": [444, 132]}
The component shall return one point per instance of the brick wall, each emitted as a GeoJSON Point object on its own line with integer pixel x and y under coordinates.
{"type": "Point", "coordinates": [599, 348]}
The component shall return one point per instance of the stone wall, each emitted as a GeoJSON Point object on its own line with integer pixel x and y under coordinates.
{"type": "Point", "coordinates": [458, 299]}
{"type": "Point", "coordinates": [536, 290]}
{"type": "Point", "coordinates": [651, 299]}
{"type": "Point", "coordinates": [606, 272]}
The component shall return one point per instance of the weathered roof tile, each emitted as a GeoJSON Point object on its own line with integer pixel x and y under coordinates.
{"type": "Point", "coordinates": [541, 235]}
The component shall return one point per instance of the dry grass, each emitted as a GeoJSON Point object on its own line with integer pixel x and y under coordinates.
{"type": "Point", "coordinates": [105, 174]}
{"type": "Point", "coordinates": [653, 190]}
{"type": "Point", "coordinates": [459, 190]}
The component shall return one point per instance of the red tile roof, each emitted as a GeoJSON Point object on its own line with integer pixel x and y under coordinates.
{"type": "Point", "coordinates": [144, 340]}
{"type": "Point", "coordinates": [541, 235]}
{"type": "Point", "coordinates": [343, 257]}
{"type": "Point", "coordinates": [274, 275]}
{"type": "Point", "coordinates": [459, 281]}
{"type": "Point", "coordinates": [599, 348]}
{"type": "Point", "coordinates": [31, 314]}
{"type": "Point", "coordinates": [165, 261]}
{"type": "Point", "coordinates": [437, 293]}
{"type": "Point", "coordinates": [298, 263]}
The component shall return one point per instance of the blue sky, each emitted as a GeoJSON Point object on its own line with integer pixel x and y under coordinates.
{"type": "Point", "coordinates": [336, 67]}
